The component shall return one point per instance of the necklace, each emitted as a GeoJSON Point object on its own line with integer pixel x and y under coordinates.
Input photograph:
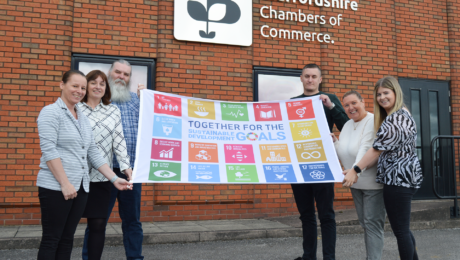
{"type": "Point", "coordinates": [356, 125]}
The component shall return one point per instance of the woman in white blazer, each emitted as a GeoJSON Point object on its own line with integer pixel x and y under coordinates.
{"type": "Point", "coordinates": [67, 145]}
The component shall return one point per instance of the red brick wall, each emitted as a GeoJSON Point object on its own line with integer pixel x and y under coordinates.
{"type": "Point", "coordinates": [35, 47]}
{"type": "Point", "coordinates": [453, 14]}
{"type": "Point", "coordinates": [37, 38]}
{"type": "Point", "coordinates": [453, 10]}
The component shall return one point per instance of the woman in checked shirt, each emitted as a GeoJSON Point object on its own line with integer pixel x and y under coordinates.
{"type": "Point", "coordinates": [105, 119]}
{"type": "Point", "coordinates": [398, 167]}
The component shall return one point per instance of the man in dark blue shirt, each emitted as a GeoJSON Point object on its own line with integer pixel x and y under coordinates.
{"type": "Point", "coordinates": [306, 194]}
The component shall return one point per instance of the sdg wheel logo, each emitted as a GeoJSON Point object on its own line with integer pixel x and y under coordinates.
{"type": "Point", "coordinates": [214, 21]}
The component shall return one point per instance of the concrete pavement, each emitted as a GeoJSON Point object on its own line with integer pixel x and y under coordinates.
{"type": "Point", "coordinates": [440, 244]}
{"type": "Point", "coordinates": [425, 215]}
{"type": "Point", "coordinates": [25, 237]}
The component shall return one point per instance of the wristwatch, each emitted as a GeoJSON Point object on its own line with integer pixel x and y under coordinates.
{"type": "Point", "coordinates": [357, 169]}
{"type": "Point", "coordinates": [332, 107]}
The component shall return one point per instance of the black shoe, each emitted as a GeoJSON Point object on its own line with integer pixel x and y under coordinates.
{"type": "Point", "coordinates": [299, 258]}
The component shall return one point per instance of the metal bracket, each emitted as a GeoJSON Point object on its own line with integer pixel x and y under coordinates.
{"type": "Point", "coordinates": [452, 212]}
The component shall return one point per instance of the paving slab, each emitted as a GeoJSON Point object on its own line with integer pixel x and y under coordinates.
{"type": "Point", "coordinates": [251, 221]}
{"type": "Point", "coordinates": [286, 232]}
{"type": "Point", "coordinates": [176, 223]}
{"type": "Point", "coordinates": [118, 229]}
{"type": "Point", "coordinates": [30, 228]}
{"type": "Point", "coordinates": [149, 225]}
{"type": "Point", "coordinates": [232, 235]}
{"type": "Point", "coordinates": [274, 225]}
{"type": "Point", "coordinates": [226, 227]}
{"type": "Point", "coordinates": [152, 230]}
{"type": "Point", "coordinates": [29, 234]}
{"type": "Point", "coordinates": [213, 222]}
{"type": "Point", "coordinates": [194, 228]}
{"type": "Point", "coordinates": [8, 232]}
{"type": "Point", "coordinates": [162, 238]}
{"type": "Point", "coordinates": [80, 230]}
{"type": "Point", "coordinates": [20, 243]}
{"type": "Point", "coordinates": [216, 223]}
{"type": "Point", "coordinates": [110, 230]}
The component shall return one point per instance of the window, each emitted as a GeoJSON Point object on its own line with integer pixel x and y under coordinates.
{"type": "Point", "coordinates": [143, 70]}
{"type": "Point", "coordinates": [276, 84]}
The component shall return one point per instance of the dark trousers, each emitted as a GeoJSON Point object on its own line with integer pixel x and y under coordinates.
{"type": "Point", "coordinates": [129, 208]}
{"type": "Point", "coordinates": [60, 218]}
{"type": "Point", "coordinates": [305, 196]}
{"type": "Point", "coordinates": [398, 205]}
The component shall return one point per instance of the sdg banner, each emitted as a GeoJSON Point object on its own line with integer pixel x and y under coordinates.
{"type": "Point", "coordinates": [190, 140]}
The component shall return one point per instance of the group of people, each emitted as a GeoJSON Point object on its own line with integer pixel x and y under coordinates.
{"type": "Point", "coordinates": [95, 117]}
{"type": "Point", "coordinates": [382, 169]}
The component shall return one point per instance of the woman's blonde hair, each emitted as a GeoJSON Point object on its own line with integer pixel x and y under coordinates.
{"type": "Point", "coordinates": [379, 112]}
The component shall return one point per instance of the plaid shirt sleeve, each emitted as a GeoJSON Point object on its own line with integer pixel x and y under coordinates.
{"type": "Point", "coordinates": [130, 121]}
{"type": "Point", "coordinates": [119, 144]}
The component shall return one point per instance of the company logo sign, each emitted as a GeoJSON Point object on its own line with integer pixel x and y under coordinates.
{"type": "Point", "coordinates": [214, 21]}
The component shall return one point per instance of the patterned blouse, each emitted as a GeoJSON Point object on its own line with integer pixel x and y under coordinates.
{"type": "Point", "coordinates": [108, 133]}
{"type": "Point", "coordinates": [398, 165]}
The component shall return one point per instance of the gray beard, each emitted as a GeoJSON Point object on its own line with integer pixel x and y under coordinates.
{"type": "Point", "coordinates": [120, 92]}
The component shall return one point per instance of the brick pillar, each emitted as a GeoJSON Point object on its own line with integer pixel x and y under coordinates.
{"type": "Point", "coordinates": [422, 40]}
{"type": "Point", "coordinates": [453, 18]}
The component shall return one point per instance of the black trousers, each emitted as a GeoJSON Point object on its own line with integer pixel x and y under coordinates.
{"type": "Point", "coordinates": [60, 218]}
{"type": "Point", "coordinates": [398, 206]}
{"type": "Point", "coordinates": [305, 196]}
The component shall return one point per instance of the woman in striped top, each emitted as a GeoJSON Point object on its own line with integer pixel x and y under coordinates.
{"type": "Point", "coordinates": [67, 146]}
{"type": "Point", "coordinates": [398, 167]}
{"type": "Point", "coordinates": [105, 119]}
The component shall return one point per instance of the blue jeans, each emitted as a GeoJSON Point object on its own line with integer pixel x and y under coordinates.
{"type": "Point", "coordinates": [305, 196]}
{"type": "Point", "coordinates": [129, 208]}
{"type": "Point", "coordinates": [398, 205]}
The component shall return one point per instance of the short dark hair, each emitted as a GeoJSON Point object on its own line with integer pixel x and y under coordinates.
{"type": "Point", "coordinates": [353, 92]}
{"type": "Point", "coordinates": [69, 74]}
{"type": "Point", "coordinates": [312, 66]}
{"type": "Point", "coordinates": [93, 75]}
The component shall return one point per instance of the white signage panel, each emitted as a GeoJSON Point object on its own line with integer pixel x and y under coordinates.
{"type": "Point", "coordinates": [213, 21]}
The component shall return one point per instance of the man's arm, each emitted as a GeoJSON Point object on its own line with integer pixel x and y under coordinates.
{"type": "Point", "coordinates": [338, 113]}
